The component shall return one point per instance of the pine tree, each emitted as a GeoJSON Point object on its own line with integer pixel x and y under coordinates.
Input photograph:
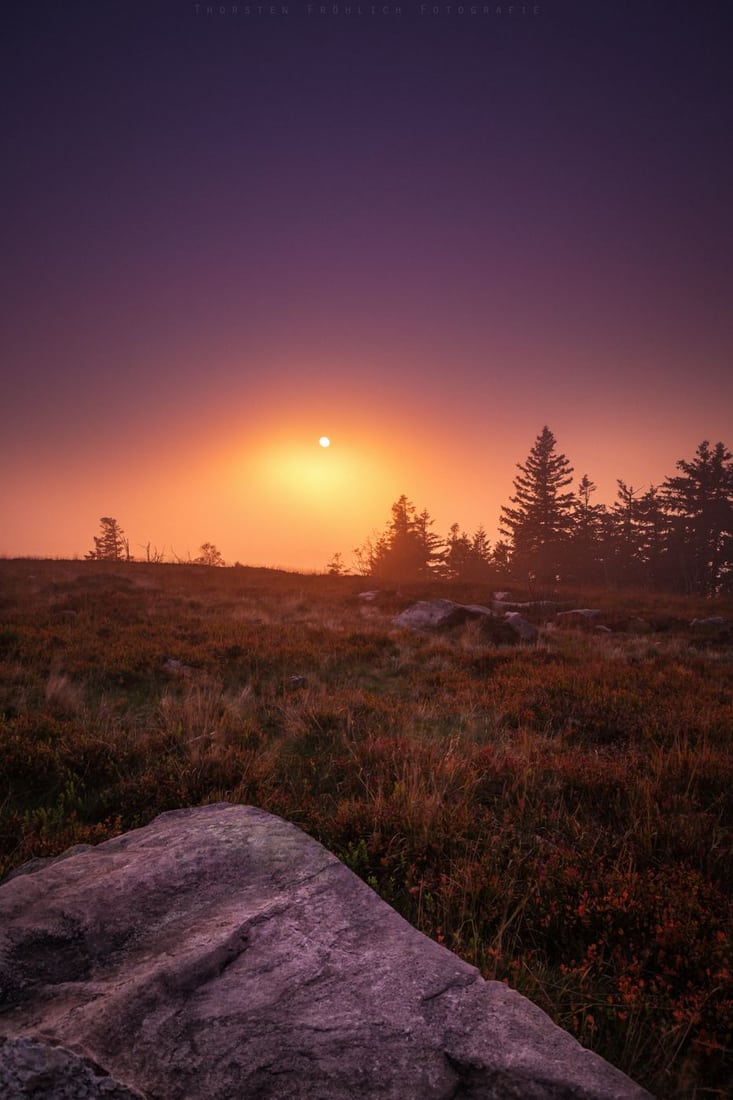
{"type": "Point", "coordinates": [407, 550]}
{"type": "Point", "coordinates": [111, 544]}
{"type": "Point", "coordinates": [654, 530]}
{"type": "Point", "coordinates": [481, 545]}
{"type": "Point", "coordinates": [541, 520]}
{"type": "Point", "coordinates": [457, 553]}
{"type": "Point", "coordinates": [336, 567]}
{"type": "Point", "coordinates": [702, 499]}
{"type": "Point", "coordinates": [501, 556]}
{"type": "Point", "coordinates": [586, 552]}
{"type": "Point", "coordinates": [432, 545]}
{"type": "Point", "coordinates": [586, 516]}
{"type": "Point", "coordinates": [638, 537]}
{"type": "Point", "coordinates": [624, 533]}
{"type": "Point", "coordinates": [467, 559]}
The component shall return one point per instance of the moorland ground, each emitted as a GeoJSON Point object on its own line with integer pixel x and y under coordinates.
{"type": "Point", "coordinates": [559, 814]}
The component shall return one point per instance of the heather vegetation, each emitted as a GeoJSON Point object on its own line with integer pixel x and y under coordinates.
{"type": "Point", "coordinates": [559, 814]}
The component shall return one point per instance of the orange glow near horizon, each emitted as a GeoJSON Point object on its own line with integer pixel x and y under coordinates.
{"type": "Point", "coordinates": [313, 499]}
{"type": "Point", "coordinates": [258, 485]}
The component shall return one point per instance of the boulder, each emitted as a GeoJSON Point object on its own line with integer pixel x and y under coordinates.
{"type": "Point", "coordinates": [438, 615]}
{"type": "Point", "coordinates": [445, 615]}
{"type": "Point", "coordinates": [221, 953]}
{"type": "Point", "coordinates": [526, 630]}
{"type": "Point", "coordinates": [580, 613]}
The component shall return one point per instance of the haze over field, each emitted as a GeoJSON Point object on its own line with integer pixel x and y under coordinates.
{"type": "Point", "coordinates": [423, 236]}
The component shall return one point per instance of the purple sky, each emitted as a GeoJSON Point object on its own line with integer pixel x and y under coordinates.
{"type": "Point", "coordinates": [425, 235]}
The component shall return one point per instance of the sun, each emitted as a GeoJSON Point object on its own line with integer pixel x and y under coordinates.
{"type": "Point", "coordinates": [325, 441]}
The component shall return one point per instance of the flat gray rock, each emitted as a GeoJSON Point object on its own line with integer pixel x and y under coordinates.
{"type": "Point", "coordinates": [220, 953]}
{"type": "Point", "coordinates": [438, 615]}
{"type": "Point", "coordinates": [446, 615]}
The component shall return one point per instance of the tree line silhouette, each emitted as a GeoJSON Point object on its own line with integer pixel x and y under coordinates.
{"type": "Point", "coordinates": [112, 544]}
{"type": "Point", "coordinates": [677, 536]}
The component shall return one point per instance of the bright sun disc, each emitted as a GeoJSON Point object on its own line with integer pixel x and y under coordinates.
{"type": "Point", "coordinates": [325, 441]}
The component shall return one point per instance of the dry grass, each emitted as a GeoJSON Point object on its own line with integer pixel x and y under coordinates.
{"type": "Point", "coordinates": [560, 815]}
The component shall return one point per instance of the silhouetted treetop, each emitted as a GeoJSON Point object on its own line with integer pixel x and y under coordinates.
{"type": "Point", "coordinates": [701, 500]}
{"type": "Point", "coordinates": [110, 544]}
{"type": "Point", "coordinates": [208, 555]}
{"type": "Point", "coordinates": [407, 550]}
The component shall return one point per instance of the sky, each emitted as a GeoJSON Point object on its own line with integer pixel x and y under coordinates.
{"type": "Point", "coordinates": [424, 230]}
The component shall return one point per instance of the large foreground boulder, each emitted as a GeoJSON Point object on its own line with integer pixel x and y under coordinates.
{"type": "Point", "coordinates": [220, 953]}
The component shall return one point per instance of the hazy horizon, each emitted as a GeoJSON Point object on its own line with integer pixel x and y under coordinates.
{"type": "Point", "coordinates": [425, 237]}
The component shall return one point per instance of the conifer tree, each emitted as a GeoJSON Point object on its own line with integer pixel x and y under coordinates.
{"type": "Point", "coordinates": [110, 544]}
{"type": "Point", "coordinates": [481, 545]}
{"type": "Point", "coordinates": [587, 516]}
{"type": "Point", "coordinates": [702, 499]}
{"type": "Point", "coordinates": [407, 550]}
{"type": "Point", "coordinates": [432, 545]}
{"type": "Point", "coordinates": [587, 539]}
{"type": "Point", "coordinates": [467, 558]}
{"type": "Point", "coordinates": [501, 556]}
{"type": "Point", "coordinates": [654, 530]}
{"type": "Point", "coordinates": [336, 567]}
{"type": "Point", "coordinates": [457, 551]}
{"type": "Point", "coordinates": [624, 533]}
{"type": "Point", "coordinates": [541, 520]}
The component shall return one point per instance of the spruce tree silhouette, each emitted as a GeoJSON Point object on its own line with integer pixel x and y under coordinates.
{"type": "Point", "coordinates": [702, 533]}
{"type": "Point", "coordinates": [541, 521]}
{"type": "Point", "coordinates": [110, 544]}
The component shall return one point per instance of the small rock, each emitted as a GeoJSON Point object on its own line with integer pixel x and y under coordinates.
{"type": "Point", "coordinates": [178, 667]}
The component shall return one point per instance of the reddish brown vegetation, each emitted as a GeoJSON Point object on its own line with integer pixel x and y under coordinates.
{"type": "Point", "coordinates": [560, 815]}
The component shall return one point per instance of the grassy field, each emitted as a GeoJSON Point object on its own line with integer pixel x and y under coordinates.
{"type": "Point", "coordinates": [558, 814]}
